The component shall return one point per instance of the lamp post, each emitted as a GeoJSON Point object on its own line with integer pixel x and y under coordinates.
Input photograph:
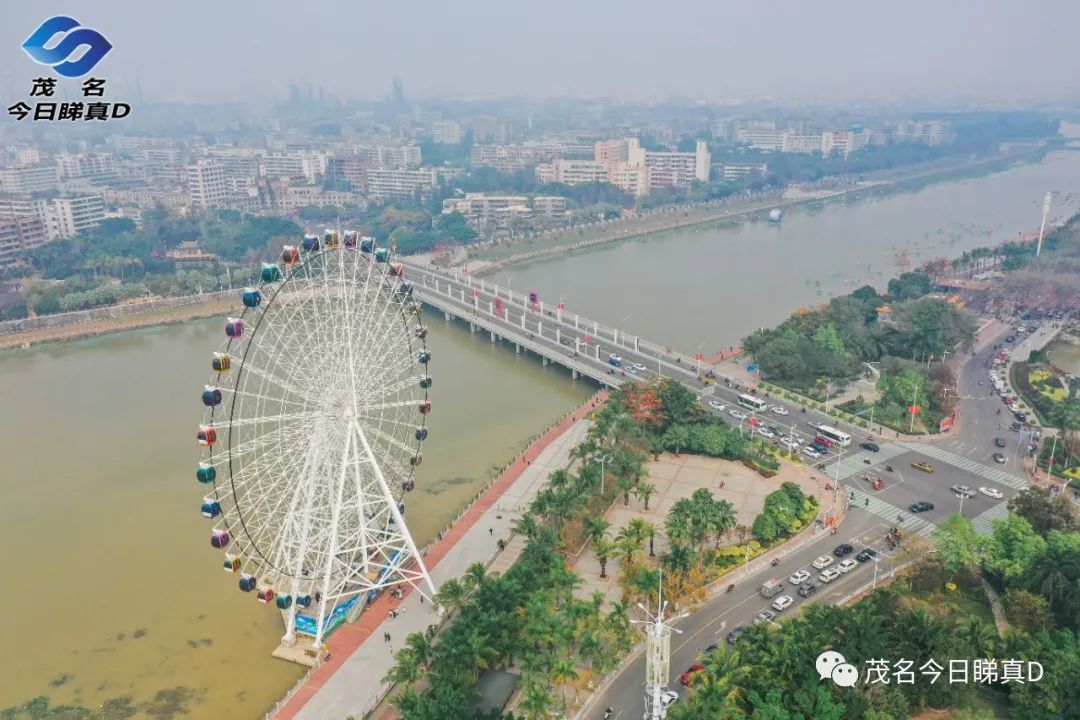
{"type": "Point", "coordinates": [657, 652]}
{"type": "Point", "coordinates": [603, 460]}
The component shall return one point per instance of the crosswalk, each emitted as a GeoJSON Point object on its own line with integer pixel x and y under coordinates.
{"type": "Point", "coordinates": [990, 473]}
{"type": "Point", "coordinates": [911, 523]}
{"type": "Point", "coordinates": [855, 463]}
{"type": "Point", "coordinates": [983, 522]}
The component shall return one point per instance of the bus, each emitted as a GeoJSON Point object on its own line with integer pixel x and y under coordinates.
{"type": "Point", "coordinates": [838, 438]}
{"type": "Point", "coordinates": [753, 403]}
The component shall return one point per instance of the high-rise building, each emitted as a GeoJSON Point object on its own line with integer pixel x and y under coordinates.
{"type": "Point", "coordinates": [83, 165]}
{"type": "Point", "coordinates": [399, 156]}
{"type": "Point", "coordinates": [76, 214]}
{"type": "Point", "coordinates": [446, 132]}
{"type": "Point", "coordinates": [386, 184]}
{"type": "Point", "coordinates": [207, 186]}
{"type": "Point", "coordinates": [671, 169]}
{"type": "Point", "coordinates": [581, 172]}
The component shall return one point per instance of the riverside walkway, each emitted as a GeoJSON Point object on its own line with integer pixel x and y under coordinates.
{"type": "Point", "coordinates": [351, 683]}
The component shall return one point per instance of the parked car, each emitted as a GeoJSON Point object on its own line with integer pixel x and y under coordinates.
{"type": "Point", "coordinates": [921, 506]}
{"type": "Point", "coordinates": [789, 442]}
{"type": "Point", "coordinates": [866, 555]}
{"type": "Point", "coordinates": [716, 405]}
{"type": "Point", "coordinates": [807, 589]}
{"type": "Point", "coordinates": [1020, 417]}
{"type": "Point", "coordinates": [822, 562]}
{"type": "Point", "coordinates": [999, 442]}
{"type": "Point", "coordinates": [924, 466]}
{"type": "Point", "coordinates": [799, 577]}
{"type": "Point", "coordinates": [812, 452]}
{"type": "Point", "coordinates": [668, 698]}
{"type": "Point", "coordinates": [638, 367]}
{"type": "Point", "coordinates": [814, 425]}
{"type": "Point", "coordinates": [737, 414]}
{"type": "Point", "coordinates": [847, 565]}
{"type": "Point", "coordinates": [688, 677]}
{"type": "Point", "coordinates": [614, 360]}
{"type": "Point", "coordinates": [828, 575]}
{"type": "Point", "coordinates": [782, 603]}
{"type": "Point", "coordinates": [733, 636]}
{"type": "Point", "coordinates": [871, 446]}
{"type": "Point", "coordinates": [999, 458]}
{"type": "Point", "coordinates": [764, 616]}
{"type": "Point", "coordinates": [765, 432]}
{"type": "Point", "coordinates": [992, 492]}
{"type": "Point", "coordinates": [843, 550]}
{"type": "Point", "coordinates": [780, 410]}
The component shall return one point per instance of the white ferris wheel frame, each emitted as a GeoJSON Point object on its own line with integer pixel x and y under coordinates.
{"type": "Point", "coordinates": [321, 415]}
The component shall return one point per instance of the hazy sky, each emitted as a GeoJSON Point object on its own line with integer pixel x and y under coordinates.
{"type": "Point", "coordinates": [714, 49]}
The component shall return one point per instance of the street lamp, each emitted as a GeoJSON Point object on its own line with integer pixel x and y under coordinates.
{"type": "Point", "coordinates": [874, 586]}
{"type": "Point", "coordinates": [603, 460]}
{"type": "Point", "coordinates": [657, 652]}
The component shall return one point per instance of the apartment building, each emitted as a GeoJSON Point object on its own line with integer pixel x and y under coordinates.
{"type": "Point", "coordinates": [730, 172]}
{"type": "Point", "coordinates": [18, 235]}
{"type": "Point", "coordinates": [446, 132]}
{"type": "Point", "coordinates": [671, 169]}
{"type": "Point", "coordinates": [96, 165]}
{"type": "Point", "coordinates": [207, 186]}
{"type": "Point", "coordinates": [386, 184]}
{"type": "Point", "coordinates": [399, 156]}
{"type": "Point", "coordinates": [29, 179]}
{"type": "Point", "coordinates": [76, 214]}
{"type": "Point", "coordinates": [581, 172]}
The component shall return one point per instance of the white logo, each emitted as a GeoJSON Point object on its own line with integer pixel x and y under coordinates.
{"type": "Point", "coordinates": [831, 664]}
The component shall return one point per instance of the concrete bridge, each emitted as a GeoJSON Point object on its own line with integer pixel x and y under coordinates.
{"type": "Point", "coordinates": [571, 340]}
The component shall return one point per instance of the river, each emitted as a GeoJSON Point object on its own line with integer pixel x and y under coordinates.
{"type": "Point", "coordinates": [708, 286]}
{"type": "Point", "coordinates": [111, 588]}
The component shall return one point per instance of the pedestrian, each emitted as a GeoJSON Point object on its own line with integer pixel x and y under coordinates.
{"type": "Point", "coordinates": [386, 637]}
{"type": "Point", "coordinates": [421, 598]}
{"type": "Point", "coordinates": [491, 531]}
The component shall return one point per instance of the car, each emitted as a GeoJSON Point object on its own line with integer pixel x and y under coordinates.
{"type": "Point", "coordinates": [1016, 427]}
{"type": "Point", "coordinates": [811, 451]}
{"type": "Point", "coordinates": [1011, 338]}
{"type": "Point", "coordinates": [999, 458]}
{"type": "Point", "coordinates": [711, 649]}
{"type": "Point", "coordinates": [924, 466]}
{"type": "Point", "coordinates": [1007, 400]}
{"type": "Point", "coordinates": [999, 442]}
{"type": "Point", "coordinates": [963, 490]}
{"type": "Point", "coordinates": [614, 359]}
{"type": "Point", "coordinates": [733, 636]}
{"type": "Point", "coordinates": [706, 379]}
{"type": "Point", "coordinates": [814, 425]}
{"type": "Point", "coordinates": [564, 340]}
{"type": "Point", "coordinates": [780, 410]}
{"type": "Point", "coordinates": [782, 603]}
{"type": "Point", "coordinates": [921, 506]}
{"type": "Point", "coordinates": [717, 405]}
{"type": "Point", "coordinates": [789, 442]}
{"type": "Point", "coordinates": [866, 555]}
{"type": "Point", "coordinates": [823, 442]}
{"type": "Point", "coordinates": [638, 367]}
{"type": "Point", "coordinates": [688, 677]}
{"type": "Point", "coordinates": [992, 492]}
{"type": "Point", "coordinates": [764, 616]}
{"type": "Point", "coordinates": [1020, 417]}
{"type": "Point", "coordinates": [820, 448]}
{"type": "Point", "coordinates": [828, 575]}
{"type": "Point", "coordinates": [799, 577]}
{"type": "Point", "coordinates": [843, 550]}
{"type": "Point", "coordinates": [847, 565]}
{"type": "Point", "coordinates": [765, 432]}
{"type": "Point", "coordinates": [871, 446]}
{"type": "Point", "coordinates": [822, 562]}
{"type": "Point", "coordinates": [737, 414]}
{"type": "Point", "coordinates": [668, 698]}
{"type": "Point", "coordinates": [807, 589]}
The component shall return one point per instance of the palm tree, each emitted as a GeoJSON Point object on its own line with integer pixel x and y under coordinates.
{"type": "Point", "coordinates": [979, 637]}
{"type": "Point", "coordinates": [562, 672]}
{"type": "Point", "coordinates": [527, 525]}
{"type": "Point", "coordinates": [559, 479]}
{"type": "Point", "coordinates": [643, 491]}
{"type": "Point", "coordinates": [677, 524]}
{"type": "Point", "coordinates": [406, 668]}
{"type": "Point", "coordinates": [645, 581]}
{"type": "Point", "coordinates": [595, 527]}
{"type": "Point", "coordinates": [603, 549]}
{"type": "Point", "coordinates": [628, 547]}
{"type": "Point", "coordinates": [648, 530]}
{"type": "Point", "coordinates": [421, 648]}
{"type": "Point", "coordinates": [474, 576]}
{"type": "Point", "coordinates": [679, 559]}
{"type": "Point", "coordinates": [537, 701]}
{"type": "Point", "coordinates": [638, 528]}
{"type": "Point", "coordinates": [721, 518]}
{"type": "Point", "coordinates": [626, 484]}
{"type": "Point", "coordinates": [452, 595]}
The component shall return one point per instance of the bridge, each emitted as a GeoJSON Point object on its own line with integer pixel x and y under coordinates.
{"type": "Point", "coordinates": [580, 344]}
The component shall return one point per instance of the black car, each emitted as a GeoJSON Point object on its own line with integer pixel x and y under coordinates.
{"type": "Point", "coordinates": [1016, 427]}
{"type": "Point", "coordinates": [866, 555]}
{"type": "Point", "coordinates": [843, 550]}
{"type": "Point", "coordinates": [1010, 338]}
{"type": "Point", "coordinates": [921, 506]}
{"type": "Point", "coordinates": [1020, 417]}
{"type": "Point", "coordinates": [807, 589]}
{"type": "Point", "coordinates": [872, 447]}
{"type": "Point", "coordinates": [711, 649]}
{"type": "Point", "coordinates": [999, 442]}
{"type": "Point", "coordinates": [733, 636]}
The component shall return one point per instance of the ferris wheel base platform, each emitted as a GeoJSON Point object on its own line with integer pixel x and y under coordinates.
{"type": "Point", "coordinates": [301, 653]}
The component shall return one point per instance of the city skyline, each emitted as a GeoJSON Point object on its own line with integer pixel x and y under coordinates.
{"type": "Point", "coordinates": [726, 52]}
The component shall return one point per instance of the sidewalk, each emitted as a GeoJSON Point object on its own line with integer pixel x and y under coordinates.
{"type": "Point", "coordinates": [350, 683]}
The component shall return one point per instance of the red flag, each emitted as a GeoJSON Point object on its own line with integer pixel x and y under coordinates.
{"type": "Point", "coordinates": [914, 409]}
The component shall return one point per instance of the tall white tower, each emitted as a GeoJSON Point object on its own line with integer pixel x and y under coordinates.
{"type": "Point", "coordinates": [1042, 228]}
{"type": "Point", "coordinates": [657, 653]}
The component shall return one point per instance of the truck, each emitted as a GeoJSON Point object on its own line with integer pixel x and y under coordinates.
{"type": "Point", "coordinates": [771, 587]}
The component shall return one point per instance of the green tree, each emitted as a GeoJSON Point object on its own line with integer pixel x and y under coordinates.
{"type": "Point", "coordinates": [643, 491]}
{"type": "Point", "coordinates": [828, 338]}
{"type": "Point", "coordinates": [958, 545]}
{"type": "Point", "coordinates": [1044, 510]}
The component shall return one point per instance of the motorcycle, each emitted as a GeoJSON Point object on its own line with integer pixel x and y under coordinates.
{"type": "Point", "coordinates": [730, 587]}
{"type": "Point", "coordinates": [775, 562]}
{"type": "Point", "coordinates": [889, 468]}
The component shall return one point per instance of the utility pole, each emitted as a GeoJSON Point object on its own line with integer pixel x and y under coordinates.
{"type": "Point", "coordinates": [1042, 227]}
{"type": "Point", "coordinates": [657, 653]}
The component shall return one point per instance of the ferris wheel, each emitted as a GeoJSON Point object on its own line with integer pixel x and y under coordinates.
{"type": "Point", "coordinates": [314, 420]}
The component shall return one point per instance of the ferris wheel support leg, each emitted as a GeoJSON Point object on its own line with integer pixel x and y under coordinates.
{"type": "Point", "coordinates": [398, 519]}
{"type": "Point", "coordinates": [335, 518]}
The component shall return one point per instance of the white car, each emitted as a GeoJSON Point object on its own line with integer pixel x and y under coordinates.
{"type": "Point", "coordinates": [811, 452]}
{"type": "Point", "coordinates": [782, 603]}
{"type": "Point", "coordinates": [814, 425]}
{"type": "Point", "coordinates": [638, 367]}
{"type": "Point", "coordinates": [992, 492]}
{"type": "Point", "coordinates": [780, 410]}
{"type": "Point", "coordinates": [765, 432]}
{"type": "Point", "coordinates": [799, 577]}
{"type": "Point", "coordinates": [828, 575]}
{"type": "Point", "coordinates": [669, 698]}
{"type": "Point", "coordinates": [717, 405]}
{"type": "Point", "coordinates": [847, 565]}
{"type": "Point", "coordinates": [823, 562]}
{"type": "Point", "coordinates": [737, 414]}
{"type": "Point", "coordinates": [789, 442]}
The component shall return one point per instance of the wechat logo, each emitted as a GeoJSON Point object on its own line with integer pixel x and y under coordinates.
{"type": "Point", "coordinates": [831, 664]}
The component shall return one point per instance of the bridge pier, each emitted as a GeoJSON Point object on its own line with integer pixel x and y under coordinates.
{"type": "Point", "coordinates": [543, 360]}
{"type": "Point", "coordinates": [539, 328]}
{"type": "Point", "coordinates": [573, 374]}
{"type": "Point", "coordinates": [472, 327]}
{"type": "Point", "coordinates": [447, 316]}
{"type": "Point", "coordinates": [615, 337]}
{"type": "Point", "coordinates": [522, 321]}
{"type": "Point", "coordinates": [493, 336]}
{"type": "Point", "coordinates": [517, 348]}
